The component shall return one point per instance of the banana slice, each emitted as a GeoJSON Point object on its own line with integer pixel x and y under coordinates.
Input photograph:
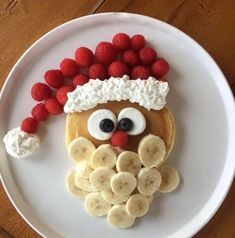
{"type": "Point", "coordinates": [112, 198]}
{"type": "Point", "coordinates": [137, 205]}
{"type": "Point", "coordinates": [148, 181]}
{"type": "Point", "coordinates": [170, 179]}
{"type": "Point", "coordinates": [103, 156]}
{"type": "Point", "coordinates": [151, 150]}
{"type": "Point", "coordinates": [128, 161]}
{"type": "Point", "coordinates": [80, 149]}
{"type": "Point", "coordinates": [84, 183]}
{"type": "Point", "coordinates": [123, 183]}
{"type": "Point", "coordinates": [100, 178]}
{"type": "Point", "coordinates": [72, 188]}
{"type": "Point", "coordinates": [118, 217]}
{"type": "Point", "coordinates": [83, 169]}
{"type": "Point", "coordinates": [95, 205]}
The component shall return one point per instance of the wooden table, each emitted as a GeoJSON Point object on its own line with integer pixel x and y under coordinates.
{"type": "Point", "coordinates": [210, 22]}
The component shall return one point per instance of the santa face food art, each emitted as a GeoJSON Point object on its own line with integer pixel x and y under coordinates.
{"type": "Point", "coordinates": [119, 146]}
{"type": "Point", "coordinates": [119, 131]}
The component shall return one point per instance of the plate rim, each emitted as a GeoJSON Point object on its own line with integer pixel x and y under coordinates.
{"type": "Point", "coordinates": [227, 174]}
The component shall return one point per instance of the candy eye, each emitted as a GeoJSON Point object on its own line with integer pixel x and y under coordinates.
{"type": "Point", "coordinates": [132, 121]}
{"type": "Point", "coordinates": [101, 124]}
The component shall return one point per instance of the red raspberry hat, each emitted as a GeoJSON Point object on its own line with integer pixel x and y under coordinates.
{"type": "Point", "coordinates": [131, 67]}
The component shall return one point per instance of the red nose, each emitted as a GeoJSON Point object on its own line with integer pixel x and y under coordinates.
{"type": "Point", "coordinates": [119, 139]}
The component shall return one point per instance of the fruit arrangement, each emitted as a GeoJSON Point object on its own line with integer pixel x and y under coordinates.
{"type": "Point", "coordinates": [119, 184]}
{"type": "Point", "coordinates": [124, 56]}
{"type": "Point", "coordinates": [118, 131]}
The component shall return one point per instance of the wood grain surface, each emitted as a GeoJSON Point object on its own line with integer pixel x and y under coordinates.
{"type": "Point", "coordinates": [210, 22]}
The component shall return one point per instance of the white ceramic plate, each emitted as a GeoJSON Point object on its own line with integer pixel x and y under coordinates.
{"type": "Point", "coordinates": [204, 151]}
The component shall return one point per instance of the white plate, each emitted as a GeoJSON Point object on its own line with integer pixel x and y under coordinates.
{"type": "Point", "coordinates": [204, 151]}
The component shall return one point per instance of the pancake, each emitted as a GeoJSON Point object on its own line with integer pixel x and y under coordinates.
{"type": "Point", "coordinates": [160, 123]}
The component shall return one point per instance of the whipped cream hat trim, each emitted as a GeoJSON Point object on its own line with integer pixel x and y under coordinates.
{"type": "Point", "coordinates": [149, 93]}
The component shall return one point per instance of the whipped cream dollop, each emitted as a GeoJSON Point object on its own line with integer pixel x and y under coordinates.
{"type": "Point", "coordinates": [149, 93]}
{"type": "Point", "coordinates": [20, 144]}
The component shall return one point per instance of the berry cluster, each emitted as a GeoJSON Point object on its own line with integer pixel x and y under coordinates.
{"type": "Point", "coordinates": [124, 56]}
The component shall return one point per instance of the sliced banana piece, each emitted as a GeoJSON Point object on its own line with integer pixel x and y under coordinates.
{"type": "Point", "coordinates": [80, 149]}
{"type": "Point", "coordinates": [151, 150]}
{"type": "Point", "coordinates": [137, 205]}
{"type": "Point", "coordinates": [72, 188]}
{"type": "Point", "coordinates": [84, 183]}
{"type": "Point", "coordinates": [148, 181]}
{"type": "Point", "coordinates": [123, 183]}
{"type": "Point", "coordinates": [118, 217]}
{"type": "Point", "coordinates": [103, 156]}
{"type": "Point", "coordinates": [112, 198]}
{"type": "Point", "coordinates": [128, 161]}
{"type": "Point", "coordinates": [95, 205]}
{"type": "Point", "coordinates": [170, 178]}
{"type": "Point", "coordinates": [100, 178]}
{"type": "Point", "coordinates": [83, 169]}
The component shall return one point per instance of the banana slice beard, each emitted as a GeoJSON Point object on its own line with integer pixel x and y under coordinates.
{"type": "Point", "coordinates": [123, 183]}
{"type": "Point", "coordinates": [83, 169]}
{"type": "Point", "coordinates": [148, 181]}
{"type": "Point", "coordinates": [128, 161]}
{"type": "Point", "coordinates": [112, 198]}
{"type": "Point", "coordinates": [119, 218]}
{"type": "Point", "coordinates": [137, 205]}
{"type": "Point", "coordinates": [72, 188]}
{"type": "Point", "coordinates": [100, 178]}
{"type": "Point", "coordinates": [170, 179]}
{"type": "Point", "coordinates": [104, 156]}
{"type": "Point", "coordinates": [80, 149]}
{"type": "Point", "coordinates": [84, 183]}
{"type": "Point", "coordinates": [151, 150]}
{"type": "Point", "coordinates": [95, 205]}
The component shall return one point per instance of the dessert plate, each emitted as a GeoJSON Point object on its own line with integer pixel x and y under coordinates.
{"type": "Point", "coordinates": [204, 150]}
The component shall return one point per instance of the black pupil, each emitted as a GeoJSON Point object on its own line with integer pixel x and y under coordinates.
{"type": "Point", "coordinates": [125, 124]}
{"type": "Point", "coordinates": [106, 125]}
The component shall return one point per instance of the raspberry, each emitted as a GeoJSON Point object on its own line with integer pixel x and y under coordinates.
{"type": "Point", "coordinates": [29, 125]}
{"type": "Point", "coordinates": [141, 72]}
{"type": "Point", "coordinates": [40, 91]}
{"type": "Point", "coordinates": [53, 106]}
{"type": "Point", "coordinates": [54, 78]}
{"type": "Point", "coordinates": [80, 79]}
{"type": "Point", "coordinates": [61, 93]}
{"type": "Point", "coordinates": [69, 67]}
{"type": "Point", "coordinates": [117, 69]}
{"type": "Point", "coordinates": [119, 139]}
{"type": "Point", "coordinates": [137, 42]}
{"type": "Point", "coordinates": [97, 71]}
{"type": "Point", "coordinates": [160, 68]}
{"type": "Point", "coordinates": [105, 52]}
{"type": "Point", "coordinates": [147, 55]}
{"type": "Point", "coordinates": [121, 41]}
{"type": "Point", "coordinates": [39, 112]}
{"type": "Point", "coordinates": [84, 57]}
{"type": "Point", "coordinates": [130, 57]}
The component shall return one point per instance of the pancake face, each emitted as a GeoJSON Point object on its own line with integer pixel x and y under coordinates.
{"type": "Point", "coordinates": [159, 123]}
